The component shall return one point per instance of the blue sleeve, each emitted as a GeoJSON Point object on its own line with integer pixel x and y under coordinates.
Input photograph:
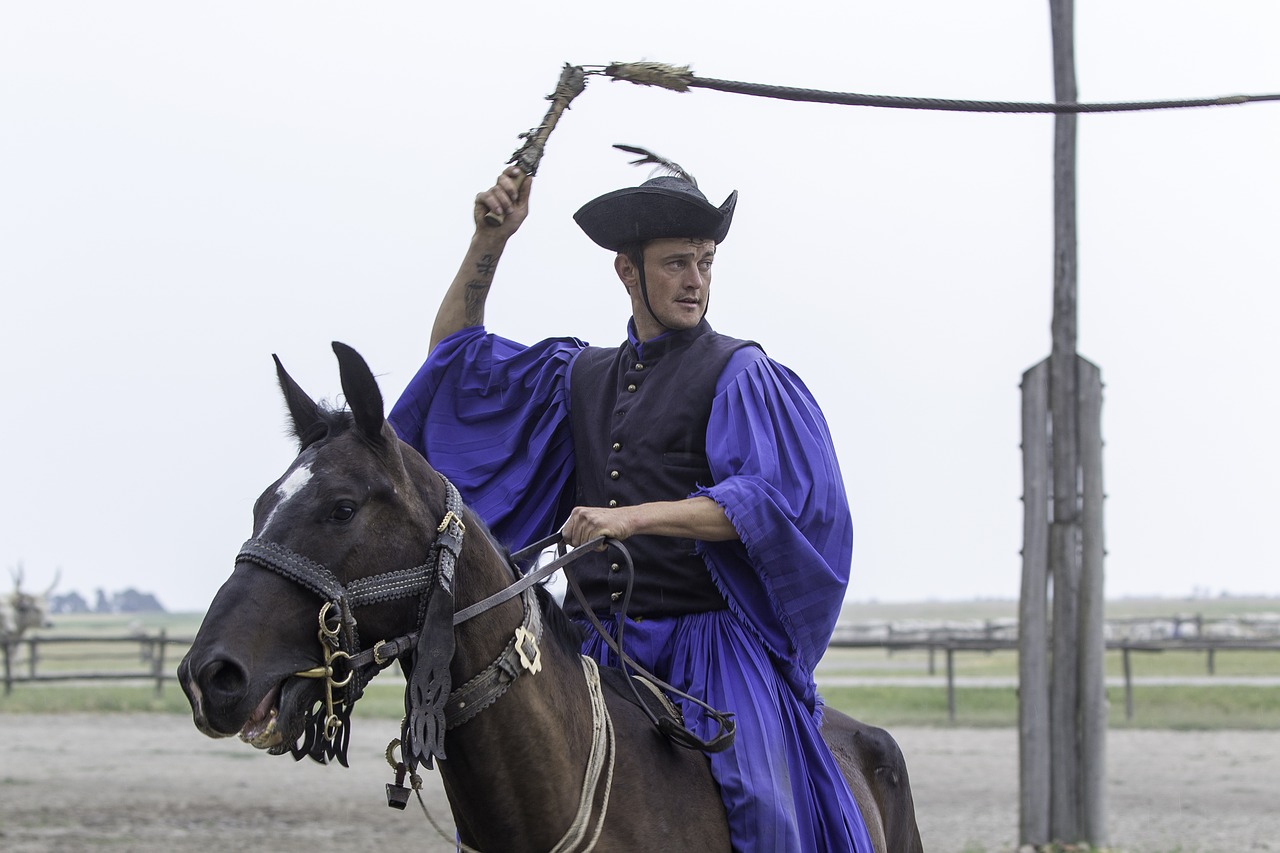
{"type": "Point", "coordinates": [778, 481]}
{"type": "Point", "coordinates": [492, 415]}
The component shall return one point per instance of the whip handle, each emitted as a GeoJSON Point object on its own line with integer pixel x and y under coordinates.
{"type": "Point", "coordinates": [571, 83]}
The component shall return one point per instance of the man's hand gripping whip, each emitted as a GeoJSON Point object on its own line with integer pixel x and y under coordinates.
{"type": "Point", "coordinates": [528, 156]}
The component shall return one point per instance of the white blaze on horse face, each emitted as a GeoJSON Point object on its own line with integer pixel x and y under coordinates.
{"type": "Point", "coordinates": [287, 490]}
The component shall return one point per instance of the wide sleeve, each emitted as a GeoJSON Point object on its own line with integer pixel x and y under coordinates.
{"type": "Point", "coordinates": [492, 415]}
{"type": "Point", "coordinates": [778, 481]}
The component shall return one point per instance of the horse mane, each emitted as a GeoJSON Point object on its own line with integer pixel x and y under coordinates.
{"type": "Point", "coordinates": [567, 633]}
{"type": "Point", "coordinates": [331, 422]}
{"type": "Point", "coordinates": [556, 623]}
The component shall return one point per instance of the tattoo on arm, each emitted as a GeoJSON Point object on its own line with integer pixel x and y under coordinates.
{"type": "Point", "coordinates": [486, 265]}
{"type": "Point", "coordinates": [477, 293]}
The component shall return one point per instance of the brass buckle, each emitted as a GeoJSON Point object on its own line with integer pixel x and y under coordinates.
{"type": "Point", "coordinates": [453, 517]}
{"type": "Point", "coordinates": [377, 654]}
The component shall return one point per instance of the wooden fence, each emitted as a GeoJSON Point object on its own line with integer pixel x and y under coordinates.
{"type": "Point", "coordinates": [42, 659]}
{"type": "Point", "coordinates": [933, 643]}
{"type": "Point", "coordinates": [146, 657]}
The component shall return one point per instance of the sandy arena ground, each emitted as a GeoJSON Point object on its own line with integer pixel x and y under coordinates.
{"type": "Point", "coordinates": [151, 783]}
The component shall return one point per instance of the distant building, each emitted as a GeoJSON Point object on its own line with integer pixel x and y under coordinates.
{"type": "Point", "coordinates": [71, 602]}
{"type": "Point", "coordinates": [127, 601]}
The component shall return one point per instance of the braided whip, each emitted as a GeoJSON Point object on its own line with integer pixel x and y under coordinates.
{"type": "Point", "coordinates": [681, 79]}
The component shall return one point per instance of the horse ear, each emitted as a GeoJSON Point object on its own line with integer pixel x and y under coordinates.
{"type": "Point", "coordinates": [361, 391]}
{"type": "Point", "coordinates": [303, 411]}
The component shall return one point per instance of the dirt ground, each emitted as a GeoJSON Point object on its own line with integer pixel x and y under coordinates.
{"type": "Point", "coordinates": [151, 783]}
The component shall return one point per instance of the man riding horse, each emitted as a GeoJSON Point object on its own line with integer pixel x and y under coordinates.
{"type": "Point", "coordinates": [712, 461]}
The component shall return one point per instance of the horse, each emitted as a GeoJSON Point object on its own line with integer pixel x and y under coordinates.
{"type": "Point", "coordinates": [544, 750]}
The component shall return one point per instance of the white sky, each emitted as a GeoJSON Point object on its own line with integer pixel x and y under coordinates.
{"type": "Point", "coordinates": [186, 188]}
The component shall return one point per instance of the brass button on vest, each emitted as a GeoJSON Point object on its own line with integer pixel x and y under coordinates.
{"type": "Point", "coordinates": [612, 504]}
{"type": "Point", "coordinates": [617, 596]}
{"type": "Point", "coordinates": [631, 388]}
{"type": "Point", "coordinates": [613, 475]}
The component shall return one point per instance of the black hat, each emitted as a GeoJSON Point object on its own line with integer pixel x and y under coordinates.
{"type": "Point", "coordinates": [666, 206]}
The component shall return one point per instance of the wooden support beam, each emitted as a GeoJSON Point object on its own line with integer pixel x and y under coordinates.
{"type": "Point", "coordinates": [1033, 616]}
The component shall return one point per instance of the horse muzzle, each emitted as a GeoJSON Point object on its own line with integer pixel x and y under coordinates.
{"type": "Point", "coordinates": [224, 703]}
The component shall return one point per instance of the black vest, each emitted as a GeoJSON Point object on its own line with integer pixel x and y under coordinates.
{"type": "Point", "coordinates": [639, 435]}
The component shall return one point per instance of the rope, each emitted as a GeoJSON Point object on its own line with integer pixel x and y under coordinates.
{"type": "Point", "coordinates": [681, 79]}
{"type": "Point", "coordinates": [452, 839]}
{"type": "Point", "coordinates": [601, 731]}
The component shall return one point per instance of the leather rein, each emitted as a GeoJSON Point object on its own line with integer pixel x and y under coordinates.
{"type": "Point", "coordinates": [347, 668]}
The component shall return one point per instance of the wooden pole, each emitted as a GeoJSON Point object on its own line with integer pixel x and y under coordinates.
{"type": "Point", "coordinates": [1128, 684]}
{"type": "Point", "coordinates": [951, 683]}
{"type": "Point", "coordinates": [1093, 684]}
{"type": "Point", "coordinates": [1033, 618]}
{"type": "Point", "coordinates": [1064, 533]}
{"type": "Point", "coordinates": [158, 661]}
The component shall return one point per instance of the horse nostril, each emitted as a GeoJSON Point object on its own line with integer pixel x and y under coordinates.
{"type": "Point", "coordinates": [223, 680]}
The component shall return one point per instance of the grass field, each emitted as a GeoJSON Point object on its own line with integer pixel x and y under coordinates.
{"type": "Point", "coordinates": [1165, 707]}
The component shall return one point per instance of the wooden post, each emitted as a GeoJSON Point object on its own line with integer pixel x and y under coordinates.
{"type": "Point", "coordinates": [1064, 532]}
{"type": "Point", "coordinates": [1033, 618]}
{"type": "Point", "coordinates": [8, 667]}
{"type": "Point", "coordinates": [1093, 682]}
{"type": "Point", "coordinates": [1062, 713]}
{"type": "Point", "coordinates": [1128, 685]}
{"type": "Point", "coordinates": [951, 683]}
{"type": "Point", "coordinates": [157, 665]}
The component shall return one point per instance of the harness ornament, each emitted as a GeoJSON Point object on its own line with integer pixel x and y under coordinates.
{"type": "Point", "coordinates": [525, 638]}
{"type": "Point", "coordinates": [329, 643]}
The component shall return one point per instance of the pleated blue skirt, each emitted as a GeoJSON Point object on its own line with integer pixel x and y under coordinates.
{"type": "Point", "coordinates": [781, 786]}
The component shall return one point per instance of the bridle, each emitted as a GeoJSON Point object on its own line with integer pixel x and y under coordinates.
{"type": "Point", "coordinates": [432, 707]}
{"type": "Point", "coordinates": [347, 668]}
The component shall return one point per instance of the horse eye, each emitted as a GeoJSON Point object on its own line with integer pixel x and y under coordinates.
{"type": "Point", "coordinates": [343, 511]}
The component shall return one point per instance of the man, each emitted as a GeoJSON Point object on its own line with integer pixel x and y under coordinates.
{"type": "Point", "coordinates": [712, 461]}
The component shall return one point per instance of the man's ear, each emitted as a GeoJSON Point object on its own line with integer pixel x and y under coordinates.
{"type": "Point", "coordinates": [626, 270]}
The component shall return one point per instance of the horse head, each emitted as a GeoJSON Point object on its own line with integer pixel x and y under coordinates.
{"type": "Point", "coordinates": [281, 633]}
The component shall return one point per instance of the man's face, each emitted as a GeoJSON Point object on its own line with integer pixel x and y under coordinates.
{"type": "Point", "coordinates": [678, 276]}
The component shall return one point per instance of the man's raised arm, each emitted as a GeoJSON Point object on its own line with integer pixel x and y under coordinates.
{"type": "Point", "coordinates": [463, 303]}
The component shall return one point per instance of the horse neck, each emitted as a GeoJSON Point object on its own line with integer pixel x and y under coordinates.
{"type": "Point", "coordinates": [521, 760]}
{"type": "Point", "coordinates": [481, 571]}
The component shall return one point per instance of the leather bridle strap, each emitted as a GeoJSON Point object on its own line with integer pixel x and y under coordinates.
{"type": "Point", "coordinates": [526, 581]}
{"type": "Point", "coordinates": [520, 655]}
{"type": "Point", "coordinates": [674, 730]}
{"type": "Point", "coordinates": [388, 650]}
